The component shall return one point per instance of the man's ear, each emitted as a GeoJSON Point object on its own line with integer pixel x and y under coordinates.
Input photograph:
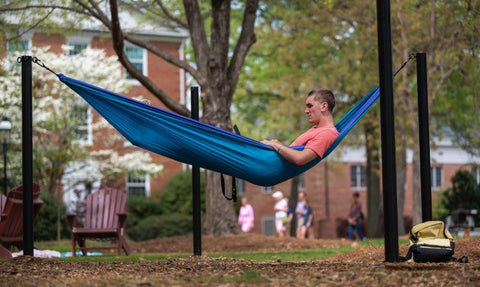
{"type": "Point", "coordinates": [324, 106]}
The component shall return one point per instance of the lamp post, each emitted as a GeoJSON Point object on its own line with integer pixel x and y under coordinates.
{"type": "Point", "coordinates": [5, 128]}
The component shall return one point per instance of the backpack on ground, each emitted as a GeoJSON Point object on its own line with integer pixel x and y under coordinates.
{"type": "Point", "coordinates": [431, 242]}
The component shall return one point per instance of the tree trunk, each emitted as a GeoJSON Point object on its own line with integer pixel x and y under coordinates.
{"type": "Point", "coordinates": [401, 168]}
{"type": "Point", "coordinates": [220, 213]}
{"type": "Point", "coordinates": [417, 198]}
{"type": "Point", "coordinates": [292, 202]}
{"type": "Point", "coordinates": [374, 196]}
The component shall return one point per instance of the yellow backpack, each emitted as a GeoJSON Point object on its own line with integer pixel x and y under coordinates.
{"type": "Point", "coordinates": [431, 242]}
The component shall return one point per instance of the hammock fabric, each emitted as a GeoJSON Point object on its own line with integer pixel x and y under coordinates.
{"type": "Point", "coordinates": [196, 143]}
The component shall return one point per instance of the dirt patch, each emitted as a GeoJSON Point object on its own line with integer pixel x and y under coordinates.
{"type": "Point", "coordinates": [236, 243]}
{"type": "Point", "coordinates": [362, 267]}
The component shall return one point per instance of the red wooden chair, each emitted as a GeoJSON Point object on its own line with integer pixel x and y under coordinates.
{"type": "Point", "coordinates": [11, 222]}
{"type": "Point", "coordinates": [104, 220]}
{"type": "Point", "coordinates": [3, 201]}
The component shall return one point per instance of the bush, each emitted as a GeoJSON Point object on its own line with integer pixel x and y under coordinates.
{"type": "Point", "coordinates": [156, 226]}
{"type": "Point", "coordinates": [177, 196]}
{"type": "Point", "coordinates": [465, 192]}
{"type": "Point", "coordinates": [140, 207]}
{"type": "Point", "coordinates": [45, 228]}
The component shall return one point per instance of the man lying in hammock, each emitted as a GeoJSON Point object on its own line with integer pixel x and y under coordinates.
{"type": "Point", "coordinates": [319, 108]}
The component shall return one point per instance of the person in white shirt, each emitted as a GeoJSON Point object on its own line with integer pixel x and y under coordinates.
{"type": "Point", "coordinates": [281, 209]}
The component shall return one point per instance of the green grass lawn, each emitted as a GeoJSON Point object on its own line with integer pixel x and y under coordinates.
{"type": "Point", "coordinates": [291, 255]}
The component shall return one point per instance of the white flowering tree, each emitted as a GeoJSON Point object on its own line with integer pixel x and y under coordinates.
{"type": "Point", "coordinates": [59, 114]}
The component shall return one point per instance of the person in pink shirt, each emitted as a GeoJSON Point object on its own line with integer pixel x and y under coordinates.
{"type": "Point", "coordinates": [319, 109]}
{"type": "Point", "coordinates": [245, 216]}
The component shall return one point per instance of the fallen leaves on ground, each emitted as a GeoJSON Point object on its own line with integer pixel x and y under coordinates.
{"type": "Point", "coordinates": [361, 267]}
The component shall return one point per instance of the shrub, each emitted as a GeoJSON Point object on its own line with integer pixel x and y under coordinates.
{"type": "Point", "coordinates": [45, 228]}
{"type": "Point", "coordinates": [177, 196]}
{"type": "Point", "coordinates": [156, 226]}
{"type": "Point", "coordinates": [465, 192]}
{"type": "Point", "coordinates": [140, 207]}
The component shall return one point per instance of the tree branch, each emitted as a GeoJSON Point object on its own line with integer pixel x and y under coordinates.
{"type": "Point", "coordinates": [246, 40]}
{"type": "Point", "coordinates": [170, 15]}
{"type": "Point", "coordinates": [167, 57]}
{"type": "Point", "coordinates": [32, 27]}
{"type": "Point", "coordinates": [12, 9]}
{"type": "Point", "coordinates": [197, 34]}
{"type": "Point", "coordinates": [118, 44]}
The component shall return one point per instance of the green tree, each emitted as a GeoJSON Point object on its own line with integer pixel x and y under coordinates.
{"type": "Point", "coordinates": [464, 193]}
{"type": "Point", "coordinates": [219, 53]}
{"type": "Point", "coordinates": [176, 197]}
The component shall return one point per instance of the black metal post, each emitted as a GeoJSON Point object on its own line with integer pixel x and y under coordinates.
{"type": "Point", "coordinates": [196, 202]}
{"type": "Point", "coordinates": [424, 135]}
{"type": "Point", "coordinates": [388, 131]}
{"type": "Point", "coordinates": [4, 166]}
{"type": "Point", "coordinates": [27, 155]}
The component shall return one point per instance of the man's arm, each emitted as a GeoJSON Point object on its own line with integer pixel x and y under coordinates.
{"type": "Point", "coordinates": [294, 156]}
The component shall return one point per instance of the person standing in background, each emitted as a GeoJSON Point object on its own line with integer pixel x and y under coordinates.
{"type": "Point", "coordinates": [355, 218]}
{"type": "Point", "coordinates": [280, 209]}
{"type": "Point", "coordinates": [246, 216]}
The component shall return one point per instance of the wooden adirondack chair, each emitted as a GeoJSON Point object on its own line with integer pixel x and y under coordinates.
{"type": "Point", "coordinates": [104, 220]}
{"type": "Point", "coordinates": [4, 253]}
{"type": "Point", "coordinates": [11, 222]}
{"type": "Point", "coordinates": [3, 201]}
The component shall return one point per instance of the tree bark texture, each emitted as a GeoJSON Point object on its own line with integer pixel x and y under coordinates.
{"type": "Point", "coordinates": [401, 167]}
{"type": "Point", "coordinates": [374, 196]}
{"type": "Point", "coordinates": [292, 202]}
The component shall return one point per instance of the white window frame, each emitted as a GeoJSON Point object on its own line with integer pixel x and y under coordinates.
{"type": "Point", "coordinates": [88, 141]}
{"type": "Point", "coordinates": [476, 173]}
{"type": "Point", "coordinates": [268, 189]}
{"type": "Point", "coordinates": [145, 184]}
{"type": "Point", "coordinates": [144, 64]}
{"type": "Point", "coordinates": [266, 219]}
{"type": "Point", "coordinates": [29, 45]}
{"type": "Point", "coordinates": [301, 182]}
{"type": "Point", "coordinates": [433, 173]}
{"type": "Point", "coordinates": [358, 177]}
{"type": "Point", "coordinates": [79, 41]}
{"type": "Point", "coordinates": [241, 187]}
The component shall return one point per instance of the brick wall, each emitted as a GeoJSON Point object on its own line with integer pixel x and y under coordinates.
{"type": "Point", "coordinates": [163, 74]}
{"type": "Point", "coordinates": [338, 195]}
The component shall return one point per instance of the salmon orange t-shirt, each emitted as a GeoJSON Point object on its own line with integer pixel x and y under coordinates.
{"type": "Point", "coordinates": [318, 139]}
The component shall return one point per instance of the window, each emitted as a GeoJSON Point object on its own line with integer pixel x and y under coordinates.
{"type": "Point", "coordinates": [18, 46]}
{"type": "Point", "coordinates": [358, 176]}
{"type": "Point", "coordinates": [138, 184]}
{"type": "Point", "coordinates": [240, 187]}
{"type": "Point", "coordinates": [83, 115]}
{"type": "Point", "coordinates": [268, 225]}
{"type": "Point", "coordinates": [476, 174]}
{"type": "Point", "coordinates": [301, 182]}
{"type": "Point", "coordinates": [76, 48]}
{"type": "Point", "coordinates": [267, 189]}
{"type": "Point", "coordinates": [437, 176]}
{"type": "Point", "coordinates": [137, 57]}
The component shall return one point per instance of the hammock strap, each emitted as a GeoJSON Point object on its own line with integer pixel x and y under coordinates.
{"type": "Point", "coordinates": [234, 180]}
{"type": "Point", "coordinates": [410, 57]}
{"type": "Point", "coordinates": [41, 64]}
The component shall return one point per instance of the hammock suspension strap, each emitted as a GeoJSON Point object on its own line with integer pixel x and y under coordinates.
{"type": "Point", "coordinates": [234, 180]}
{"type": "Point", "coordinates": [41, 64]}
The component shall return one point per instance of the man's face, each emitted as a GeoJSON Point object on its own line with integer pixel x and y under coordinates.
{"type": "Point", "coordinates": [314, 109]}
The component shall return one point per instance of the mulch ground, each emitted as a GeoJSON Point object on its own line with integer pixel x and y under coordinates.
{"type": "Point", "coordinates": [361, 267]}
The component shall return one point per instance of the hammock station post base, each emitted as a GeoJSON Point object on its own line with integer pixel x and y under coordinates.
{"type": "Point", "coordinates": [27, 154]}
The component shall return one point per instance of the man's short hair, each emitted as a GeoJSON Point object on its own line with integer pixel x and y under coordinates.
{"type": "Point", "coordinates": [323, 95]}
{"type": "Point", "coordinates": [356, 194]}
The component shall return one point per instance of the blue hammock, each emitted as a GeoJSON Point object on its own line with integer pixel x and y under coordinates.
{"type": "Point", "coordinates": [196, 143]}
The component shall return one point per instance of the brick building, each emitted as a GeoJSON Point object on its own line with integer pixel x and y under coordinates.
{"type": "Point", "coordinates": [345, 173]}
{"type": "Point", "coordinates": [329, 185]}
{"type": "Point", "coordinates": [168, 77]}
